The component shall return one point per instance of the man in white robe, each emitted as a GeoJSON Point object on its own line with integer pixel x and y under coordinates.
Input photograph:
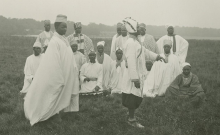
{"type": "Point", "coordinates": [179, 44]}
{"type": "Point", "coordinates": [147, 40]}
{"type": "Point", "coordinates": [55, 80]}
{"type": "Point", "coordinates": [91, 75]}
{"type": "Point", "coordinates": [113, 47]}
{"type": "Point", "coordinates": [118, 67]}
{"type": "Point", "coordinates": [84, 42]}
{"type": "Point", "coordinates": [45, 36]}
{"type": "Point", "coordinates": [162, 73]}
{"type": "Point", "coordinates": [135, 71]}
{"type": "Point", "coordinates": [105, 60]}
{"type": "Point", "coordinates": [120, 42]}
{"type": "Point", "coordinates": [31, 66]}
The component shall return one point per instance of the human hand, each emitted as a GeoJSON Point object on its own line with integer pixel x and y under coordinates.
{"type": "Point", "coordinates": [87, 79]}
{"type": "Point", "coordinates": [137, 84]}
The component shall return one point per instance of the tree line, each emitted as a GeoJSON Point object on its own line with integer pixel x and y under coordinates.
{"type": "Point", "coordinates": [14, 26]}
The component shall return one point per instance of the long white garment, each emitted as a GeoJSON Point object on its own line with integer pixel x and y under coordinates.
{"type": "Point", "coordinates": [135, 56]}
{"type": "Point", "coordinates": [106, 71]}
{"type": "Point", "coordinates": [80, 59]}
{"type": "Point", "coordinates": [119, 43]}
{"type": "Point", "coordinates": [149, 43]}
{"type": "Point", "coordinates": [116, 77]}
{"type": "Point", "coordinates": [31, 66]}
{"type": "Point", "coordinates": [113, 47]}
{"type": "Point", "coordinates": [181, 47]}
{"type": "Point", "coordinates": [44, 38]}
{"type": "Point", "coordinates": [91, 70]}
{"type": "Point", "coordinates": [161, 76]}
{"type": "Point", "coordinates": [55, 80]}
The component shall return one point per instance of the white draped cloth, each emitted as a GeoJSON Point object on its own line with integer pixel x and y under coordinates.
{"type": "Point", "coordinates": [54, 83]}
{"type": "Point", "coordinates": [106, 70]}
{"type": "Point", "coordinates": [161, 76]}
{"type": "Point", "coordinates": [181, 46]}
{"type": "Point", "coordinates": [116, 76]}
{"type": "Point", "coordinates": [31, 66]}
{"type": "Point", "coordinates": [44, 38]}
{"type": "Point", "coordinates": [80, 59]}
{"type": "Point", "coordinates": [92, 71]}
{"type": "Point", "coordinates": [113, 46]}
{"type": "Point", "coordinates": [135, 56]}
{"type": "Point", "coordinates": [119, 43]}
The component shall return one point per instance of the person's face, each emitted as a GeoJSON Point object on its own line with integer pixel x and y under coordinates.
{"type": "Point", "coordinates": [141, 31]}
{"type": "Point", "coordinates": [119, 54]}
{"type": "Point", "coordinates": [78, 30]}
{"type": "Point", "coordinates": [74, 47]}
{"type": "Point", "coordinates": [167, 49]}
{"type": "Point", "coordinates": [100, 49]}
{"type": "Point", "coordinates": [47, 27]}
{"type": "Point", "coordinates": [119, 31]}
{"type": "Point", "coordinates": [92, 57]}
{"type": "Point", "coordinates": [62, 28]}
{"type": "Point", "coordinates": [124, 32]}
{"type": "Point", "coordinates": [149, 65]}
{"type": "Point", "coordinates": [37, 51]}
{"type": "Point", "coordinates": [170, 30]}
{"type": "Point", "coordinates": [186, 70]}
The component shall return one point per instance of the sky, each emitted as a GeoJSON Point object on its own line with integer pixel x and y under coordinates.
{"type": "Point", "coordinates": [190, 13]}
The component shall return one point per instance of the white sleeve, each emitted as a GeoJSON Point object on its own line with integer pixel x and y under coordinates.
{"type": "Point", "coordinates": [82, 73]}
{"type": "Point", "coordinates": [131, 61]}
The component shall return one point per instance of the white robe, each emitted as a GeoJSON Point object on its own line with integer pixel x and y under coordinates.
{"type": "Point", "coordinates": [136, 69]}
{"type": "Point", "coordinates": [113, 47]}
{"type": "Point", "coordinates": [181, 47]}
{"type": "Point", "coordinates": [55, 80]}
{"type": "Point", "coordinates": [80, 59]}
{"type": "Point", "coordinates": [161, 76]}
{"type": "Point", "coordinates": [31, 66]}
{"type": "Point", "coordinates": [106, 71]}
{"type": "Point", "coordinates": [44, 38]}
{"type": "Point", "coordinates": [91, 70]}
{"type": "Point", "coordinates": [119, 42]}
{"type": "Point", "coordinates": [116, 77]}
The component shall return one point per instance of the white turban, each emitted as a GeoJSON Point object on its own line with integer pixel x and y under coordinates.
{"type": "Point", "coordinates": [167, 42]}
{"type": "Point", "coordinates": [61, 18]}
{"type": "Point", "coordinates": [185, 64]}
{"type": "Point", "coordinates": [37, 44]}
{"type": "Point", "coordinates": [102, 43]}
{"type": "Point", "coordinates": [131, 25]}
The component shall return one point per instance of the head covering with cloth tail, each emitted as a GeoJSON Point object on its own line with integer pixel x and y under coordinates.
{"type": "Point", "coordinates": [131, 25]}
{"type": "Point", "coordinates": [185, 64]}
{"type": "Point", "coordinates": [37, 44]}
{"type": "Point", "coordinates": [102, 43]}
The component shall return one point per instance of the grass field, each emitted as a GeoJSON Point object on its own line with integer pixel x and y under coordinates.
{"type": "Point", "coordinates": [105, 115]}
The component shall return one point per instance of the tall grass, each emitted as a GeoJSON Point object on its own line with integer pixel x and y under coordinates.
{"type": "Point", "coordinates": [105, 115]}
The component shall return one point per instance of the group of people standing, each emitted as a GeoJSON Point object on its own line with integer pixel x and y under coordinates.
{"type": "Point", "coordinates": [62, 68]}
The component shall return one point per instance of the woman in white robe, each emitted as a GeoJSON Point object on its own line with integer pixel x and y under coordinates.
{"type": "Point", "coordinates": [31, 66]}
{"type": "Point", "coordinates": [55, 80]}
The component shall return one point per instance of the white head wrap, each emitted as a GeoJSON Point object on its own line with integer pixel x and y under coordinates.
{"type": "Point", "coordinates": [167, 42]}
{"type": "Point", "coordinates": [61, 18]}
{"type": "Point", "coordinates": [37, 44]}
{"type": "Point", "coordinates": [185, 64]}
{"type": "Point", "coordinates": [131, 25]}
{"type": "Point", "coordinates": [101, 43]}
{"type": "Point", "coordinates": [118, 48]}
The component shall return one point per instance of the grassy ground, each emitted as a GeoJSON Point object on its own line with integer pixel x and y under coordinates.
{"type": "Point", "coordinates": [105, 115]}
